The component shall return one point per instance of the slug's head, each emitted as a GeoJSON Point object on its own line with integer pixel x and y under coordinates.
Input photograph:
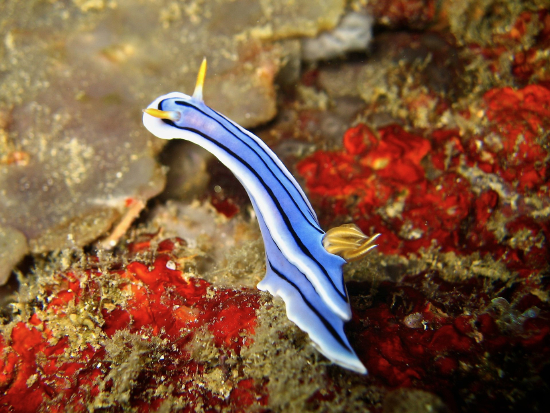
{"type": "Point", "coordinates": [166, 112]}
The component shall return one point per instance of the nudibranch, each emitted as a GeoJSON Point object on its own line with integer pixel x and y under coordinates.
{"type": "Point", "coordinates": [304, 264]}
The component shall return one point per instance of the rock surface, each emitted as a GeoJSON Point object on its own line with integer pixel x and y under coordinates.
{"type": "Point", "coordinates": [75, 76]}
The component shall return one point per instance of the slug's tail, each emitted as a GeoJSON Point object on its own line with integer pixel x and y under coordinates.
{"type": "Point", "coordinates": [306, 309]}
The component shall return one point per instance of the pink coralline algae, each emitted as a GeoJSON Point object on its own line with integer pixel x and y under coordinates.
{"type": "Point", "coordinates": [41, 370]}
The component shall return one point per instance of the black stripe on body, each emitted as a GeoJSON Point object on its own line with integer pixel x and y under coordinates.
{"type": "Point", "coordinates": [189, 105]}
{"type": "Point", "coordinates": [297, 239]}
{"type": "Point", "coordinates": [295, 185]}
{"type": "Point", "coordinates": [325, 322]}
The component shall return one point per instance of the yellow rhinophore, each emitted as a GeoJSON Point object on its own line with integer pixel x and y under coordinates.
{"type": "Point", "coordinates": [164, 114]}
{"type": "Point", "coordinates": [197, 94]}
{"type": "Point", "coordinates": [173, 115]}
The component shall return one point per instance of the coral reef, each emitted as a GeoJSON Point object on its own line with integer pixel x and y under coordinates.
{"type": "Point", "coordinates": [436, 137]}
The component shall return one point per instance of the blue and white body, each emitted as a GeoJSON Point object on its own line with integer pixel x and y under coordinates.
{"type": "Point", "coordinates": [299, 268]}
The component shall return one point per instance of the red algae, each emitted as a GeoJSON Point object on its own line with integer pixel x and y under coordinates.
{"type": "Point", "coordinates": [386, 178]}
{"type": "Point", "coordinates": [449, 196]}
{"type": "Point", "coordinates": [441, 350]}
{"type": "Point", "coordinates": [162, 314]}
{"type": "Point", "coordinates": [529, 63]}
{"type": "Point", "coordinates": [421, 192]}
{"type": "Point", "coordinates": [415, 14]}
